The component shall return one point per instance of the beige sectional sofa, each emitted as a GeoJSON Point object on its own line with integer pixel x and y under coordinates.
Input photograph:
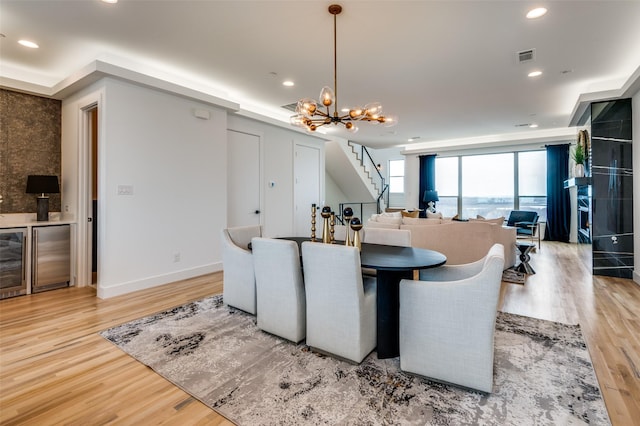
{"type": "Point", "coordinates": [461, 242]}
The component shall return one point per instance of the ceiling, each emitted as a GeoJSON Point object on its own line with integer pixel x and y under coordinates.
{"type": "Point", "coordinates": [448, 69]}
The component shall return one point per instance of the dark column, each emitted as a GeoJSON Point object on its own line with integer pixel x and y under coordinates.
{"type": "Point", "coordinates": [612, 197]}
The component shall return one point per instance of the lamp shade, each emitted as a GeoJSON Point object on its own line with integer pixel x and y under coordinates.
{"type": "Point", "coordinates": [37, 184]}
{"type": "Point", "coordinates": [430, 195]}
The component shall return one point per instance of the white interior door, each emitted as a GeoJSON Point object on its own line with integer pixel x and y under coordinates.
{"type": "Point", "coordinates": [306, 189]}
{"type": "Point", "coordinates": [243, 179]}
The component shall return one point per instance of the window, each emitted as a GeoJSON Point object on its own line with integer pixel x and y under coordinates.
{"type": "Point", "coordinates": [491, 185]}
{"type": "Point", "coordinates": [532, 182]}
{"type": "Point", "coordinates": [396, 176]}
{"type": "Point", "coordinates": [487, 185]}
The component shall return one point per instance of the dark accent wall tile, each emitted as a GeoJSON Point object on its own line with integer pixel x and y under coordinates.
{"type": "Point", "coordinates": [30, 144]}
{"type": "Point", "coordinates": [612, 196]}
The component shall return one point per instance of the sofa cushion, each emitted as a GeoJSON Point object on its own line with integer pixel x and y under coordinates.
{"type": "Point", "coordinates": [417, 221]}
{"type": "Point", "coordinates": [391, 220]}
{"type": "Point", "coordinates": [375, 224]}
{"type": "Point", "coordinates": [498, 221]}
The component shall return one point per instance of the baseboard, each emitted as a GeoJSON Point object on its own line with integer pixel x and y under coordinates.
{"type": "Point", "coordinates": [131, 286]}
{"type": "Point", "coordinates": [636, 277]}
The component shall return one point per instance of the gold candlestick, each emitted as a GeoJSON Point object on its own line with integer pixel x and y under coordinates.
{"type": "Point", "coordinates": [332, 229]}
{"type": "Point", "coordinates": [356, 226]}
{"type": "Point", "coordinates": [348, 214]}
{"type": "Point", "coordinates": [326, 213]}
{"type": "Point", "coordinates": [313, 222]}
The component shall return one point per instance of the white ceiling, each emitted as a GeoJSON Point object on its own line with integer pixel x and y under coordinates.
{"type": "Point", "coordinates": [448, 69]}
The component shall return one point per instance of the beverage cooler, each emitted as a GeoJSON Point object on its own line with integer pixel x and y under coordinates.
{"type": "Point", "coordinates": [51, 257]}
{"type": "Point", "coordinates": [12, 262]}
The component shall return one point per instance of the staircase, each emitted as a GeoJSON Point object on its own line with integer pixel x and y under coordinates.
{"type": "Point", "coordinates": [353, 170]}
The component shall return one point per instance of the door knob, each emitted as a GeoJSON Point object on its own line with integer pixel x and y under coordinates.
{"type": "Point", "coordinates": [257, 212]}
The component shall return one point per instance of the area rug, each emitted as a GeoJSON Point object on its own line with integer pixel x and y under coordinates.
{"type": "Point", "coordinates": [512, 276]}
{"type": "Point", "coordinates": [543, 375]}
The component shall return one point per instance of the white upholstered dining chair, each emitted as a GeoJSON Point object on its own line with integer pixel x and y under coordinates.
{"type": "Point", "coordinates": [281, 303]}
{"type": "Point", "coordinates": [341, 304]}
{"type": "Point", "coordinates": [447, 324]}
{"type": "Point", "coordinates": [239, 289]}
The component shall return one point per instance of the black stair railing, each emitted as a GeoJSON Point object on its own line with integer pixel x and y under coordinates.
{"type": "Point", "coordinates": [373, 170]}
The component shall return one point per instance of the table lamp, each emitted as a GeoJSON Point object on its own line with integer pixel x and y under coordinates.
{"type": "Point", "coordinates": [430, 197]}
{"type": "Point", "coordinates": [42, 185]}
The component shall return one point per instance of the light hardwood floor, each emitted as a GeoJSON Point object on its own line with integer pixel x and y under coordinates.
{"type": "Point", "coordinates": [55, 369]}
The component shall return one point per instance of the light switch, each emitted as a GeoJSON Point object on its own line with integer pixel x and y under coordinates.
{"type": "Point", "coordinates": [125, 189]}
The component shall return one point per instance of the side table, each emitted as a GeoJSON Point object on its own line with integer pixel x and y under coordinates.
{"type": "Point", "coordinates": [525, 249]}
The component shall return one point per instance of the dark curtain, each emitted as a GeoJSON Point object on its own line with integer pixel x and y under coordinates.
{"type": "Point", "coordinates": [558, 202]}
{"type": "Point", "coordinates": [427, 178]}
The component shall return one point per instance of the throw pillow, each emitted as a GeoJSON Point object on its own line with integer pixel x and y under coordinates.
{"type": "Point", "coordinates": [436, 215]}
{"type": "Point", "coordinates": [413, 213]}
{"type": "Point", "coordinates": [395, 220]}
{"type": "Point", "coordinates": [391, 214]}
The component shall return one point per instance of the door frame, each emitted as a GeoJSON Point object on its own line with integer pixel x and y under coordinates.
{"type": "Point", "coordinates": [84, 196]}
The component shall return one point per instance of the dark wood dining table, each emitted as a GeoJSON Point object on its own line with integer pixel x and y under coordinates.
{"type": "Point", "coordinates": [392, 264]}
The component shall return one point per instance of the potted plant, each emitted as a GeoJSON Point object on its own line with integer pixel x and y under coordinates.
{"type": "Point", "coordinates": [578, 157]}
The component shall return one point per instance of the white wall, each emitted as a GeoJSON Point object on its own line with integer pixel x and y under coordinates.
{"type": "Point", "coordinates": [333, 194]}
{"type": "Point", "coordinates": [635, 107]}
{"type": "Point", "coordinates": [176, 164]}
{"type": "Point", "coordinates": [382, 157]}
{"type": "Point", "coordinates": [278, 162]}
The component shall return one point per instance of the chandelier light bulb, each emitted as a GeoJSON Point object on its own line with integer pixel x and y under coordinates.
{"type": "Point", "coordinates": [390, 120]}
{"type": "Point", "coordinates": [374, 109]}
{"type": "Point", "coordinates": [356, 113]}
{"type": "Point", "coordinates": [327, 96]}
{"type": "Point", "coordinates": [297, 120]}
{"type": "Point", "coordinates": [306, 107]}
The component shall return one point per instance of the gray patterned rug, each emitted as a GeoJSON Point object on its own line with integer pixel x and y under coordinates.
{"type": "Point", "coordinates": [543, 375]}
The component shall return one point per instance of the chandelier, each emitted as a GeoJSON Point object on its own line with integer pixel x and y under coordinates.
{"type": "Point", "coordinates": [310, 114]}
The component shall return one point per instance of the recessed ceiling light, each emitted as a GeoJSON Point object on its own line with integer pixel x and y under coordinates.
{"type": "Point", "coordinates": [533, 125]}
{"type": "Point", "coordinates": [110, 1]}
{"type": "Point", "coordinates": [27, 43]}
{"type": "Point", "coordinates": [415, 138]}
{"type": "Point", "coordinates": [534, 73]}
{"type": "Point", "coordinates": [288, 83]}
{"type": "Point", "coordinates": [536, 13]}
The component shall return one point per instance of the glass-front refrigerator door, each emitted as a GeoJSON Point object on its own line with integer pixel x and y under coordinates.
{"type": "Point", "coordinates": [12, 268]}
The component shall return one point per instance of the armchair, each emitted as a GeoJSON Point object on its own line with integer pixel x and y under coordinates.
{"type": "Point", "coordinates": [239, 289]}
{"type": "Point", "coordinates": [447, 325]}
{"type": "Point", "coordinates": [526, 224]}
